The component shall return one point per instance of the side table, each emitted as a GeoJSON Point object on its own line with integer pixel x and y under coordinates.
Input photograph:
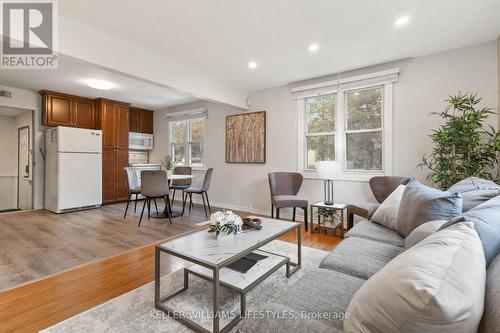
{"type": "Point", "coordinates": [320, 205]}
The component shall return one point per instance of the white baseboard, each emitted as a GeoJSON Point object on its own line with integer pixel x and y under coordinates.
{"type": "Point", "coordinates": [284, 213]}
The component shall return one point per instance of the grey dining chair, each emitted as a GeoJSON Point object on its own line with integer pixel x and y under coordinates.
{"type": "Point", "coordinates": [154, 184]}
{"type": "Point", "coordinates": [284, 187]}
{"type": "Point", "coordinates": [180, 184]}
{"type": "Point", "coordinates": [199, 190]}
{"type": "Point", "coordinates": [133, 188]}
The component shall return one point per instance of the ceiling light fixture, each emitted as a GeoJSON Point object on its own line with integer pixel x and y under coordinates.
{"type": "Point", "coordinates": [100, 84]}
{"type": "Point", "coordinates": [252, 65]}
{"type": "Point", "coordinates": [403, 20]}
{"type": "Point", "coordinates": [313, 47]}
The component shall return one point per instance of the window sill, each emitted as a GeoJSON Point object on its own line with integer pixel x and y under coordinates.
{"type": "Point", "coordinates": [346, 177]}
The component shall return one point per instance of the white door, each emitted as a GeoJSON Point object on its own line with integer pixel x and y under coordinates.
{"type": "Point", "coordinates": [24, 169]}
{"type": "Point", "coordinates": [80, 180]}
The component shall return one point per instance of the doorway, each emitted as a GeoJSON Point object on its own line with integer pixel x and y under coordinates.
{"type": "Point", "coordinates": [16, 164]}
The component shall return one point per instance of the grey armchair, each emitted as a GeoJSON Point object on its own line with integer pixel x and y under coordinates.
{"type": "Point", "coordinates": [284, 187]}
{"type": "Point", "coordinates": [382, 187]}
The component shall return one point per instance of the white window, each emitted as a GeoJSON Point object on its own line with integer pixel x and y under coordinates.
{"type": "Point", "coordinates": [187, 142]}
{"type": "Point", "coordinates": [347, 121]}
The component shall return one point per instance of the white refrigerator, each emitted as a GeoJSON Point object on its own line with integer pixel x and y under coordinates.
{"type": "Point", "coordinates": [73, 169]}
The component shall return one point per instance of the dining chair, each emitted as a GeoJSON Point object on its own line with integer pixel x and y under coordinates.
{"type": "Point", "coordinates": [154, 184]}
{"type": "Point", "coordinates": [180, 184]}
{"type": "Point", "coordinates": [199, 190]}
{"type": "Point", "coordinates": [133, 188]}
{"type": "Point", "coordinates": [284, 187]}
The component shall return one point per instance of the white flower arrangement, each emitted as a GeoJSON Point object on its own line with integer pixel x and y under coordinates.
{"type": "Point", "coordinates": [226, 221]}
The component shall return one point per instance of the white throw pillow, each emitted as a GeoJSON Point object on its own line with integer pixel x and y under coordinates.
{"type": "Point", "coordinates": [387, 213]}
{"type": "Point", "coordinates": [437, 286]}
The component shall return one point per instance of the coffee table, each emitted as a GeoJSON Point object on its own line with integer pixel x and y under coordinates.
{"type": "Point", "coordinates": [211, 257]}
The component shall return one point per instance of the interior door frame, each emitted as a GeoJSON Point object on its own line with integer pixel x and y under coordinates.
{"type": "Point", "coordinates": [30, 159]}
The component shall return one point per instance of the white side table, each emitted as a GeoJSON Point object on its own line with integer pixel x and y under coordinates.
{"type": "Point", "coordinates": [341, 207]}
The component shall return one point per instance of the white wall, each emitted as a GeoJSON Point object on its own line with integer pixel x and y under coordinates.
{"type": "Point", "coordinates": [423, 85]}
{"type": "Point", "coordinates": [8, 170]}
{"type": "Point", "coordinates": [30, 100]}
{"type": "Point", "coordinates": [498, 76]}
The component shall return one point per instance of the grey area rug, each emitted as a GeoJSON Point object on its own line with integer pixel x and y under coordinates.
{"type": "Point", "coordinates": [135, 312]}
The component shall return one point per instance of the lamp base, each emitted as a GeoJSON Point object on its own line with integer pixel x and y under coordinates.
{"type": "Point", "coordinates": [328, 192]}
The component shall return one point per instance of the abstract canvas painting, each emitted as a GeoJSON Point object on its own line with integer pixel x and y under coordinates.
{"type": "Point", "coordinates": [246, 138]}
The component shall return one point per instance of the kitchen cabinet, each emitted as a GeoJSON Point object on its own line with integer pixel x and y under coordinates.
{"type": "Point", "coordinates": [113, 120]}
{"type": "Point", "coordinates": [67, 110]}
{"type": "Point", "coordinates": [141, 120]}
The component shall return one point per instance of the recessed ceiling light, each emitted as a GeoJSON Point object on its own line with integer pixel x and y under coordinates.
{"type": "Point", "coordinates": [252, 65]}
{"type": "Point", "coordinates": [313, 47]}
{"type": "Point", "coordinates": [402, 21]}
{"type": "Point", "coordinates": [99, 84]}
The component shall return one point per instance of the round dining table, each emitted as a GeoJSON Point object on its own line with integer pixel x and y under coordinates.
{"type": "Point", "coordinates": [165, 214]}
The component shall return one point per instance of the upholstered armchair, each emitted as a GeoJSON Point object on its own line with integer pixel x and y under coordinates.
{"type": "Point", "coordinates": [381, 187]}
{"type": "Point", "coordinates": [284, 187]}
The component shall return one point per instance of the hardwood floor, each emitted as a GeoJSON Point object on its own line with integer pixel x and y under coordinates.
{"type": "Point", "coordinates": [41, 303]}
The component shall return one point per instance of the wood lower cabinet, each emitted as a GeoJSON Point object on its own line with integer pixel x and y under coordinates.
{"type": "Point", "coordinates": [141, 120]}
{"type": "Point", "coordinates": [67, 110]}
{"type": "Point", "coordinates": [113, 120]}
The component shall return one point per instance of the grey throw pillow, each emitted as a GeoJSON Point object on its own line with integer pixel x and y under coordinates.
{"type": "Point", "coordinates": [421, 204]}
{"type": "Point", "coordinates": [486, 219]}
{"type": "Point", "coordinates": [422, 232]}
{"type": "Point", "coordinates": [475, 191]}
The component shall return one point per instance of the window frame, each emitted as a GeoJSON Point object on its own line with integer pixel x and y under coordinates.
{"type": "Point", "coordinates": [188, 140]}
{"type": "Point", "coordinates": [341, 127]}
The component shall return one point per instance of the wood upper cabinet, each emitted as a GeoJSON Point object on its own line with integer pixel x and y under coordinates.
{"type": "Point", "coordinates": [67, 110]}
{"type": "Point", "coordinates": [141, 120]}
{"type": "Point", "coordinates": [113, 120]}
{"type": "Point", "coordinates": [83, 113]}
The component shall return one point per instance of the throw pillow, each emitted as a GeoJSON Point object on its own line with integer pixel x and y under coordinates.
{"type": "Point", "coordinates": [475, 191]}
{"type": "Point", "coordinates": [387, 213]}
{"type": "Point", "coordinates": [486, 219]}
{"type": "Point", "coordinates": [422, 232]}
{"type": "Point", "coordinates": [436, 286]}
{"type": "Point", "coordinates": [421, 204]}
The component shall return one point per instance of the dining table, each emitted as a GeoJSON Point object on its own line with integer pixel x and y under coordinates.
{"type": "Point", "coordinates": [174, 213]}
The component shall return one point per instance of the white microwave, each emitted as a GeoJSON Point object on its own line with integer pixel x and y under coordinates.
{"type": "Point", "coordinates": [140, 141]}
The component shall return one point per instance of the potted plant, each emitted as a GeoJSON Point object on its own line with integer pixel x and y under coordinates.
{"type": "Point", "coordinates": [168, 163]}
{"type": "Point", "coordinates": [225, 224]}
{"type": "Point", "coordinates": [463, 145]}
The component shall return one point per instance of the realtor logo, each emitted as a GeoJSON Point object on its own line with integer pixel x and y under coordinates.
{"type": "Point", "coordinates": [28, 34]}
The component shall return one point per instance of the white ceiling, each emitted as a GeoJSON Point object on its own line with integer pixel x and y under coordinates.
{"type": "Point", "coordinates": [71, 76]}
{"type": "Point", "coordinates": [11, 112]}
{"type": "Point", "coordinates": [222, 36]}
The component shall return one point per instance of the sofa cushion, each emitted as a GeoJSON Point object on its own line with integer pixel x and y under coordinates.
{"type": "Point", "coordinates": [422, 231]}
{"type": "Point", "coordinates": [486, 219]}
{"type": "Point", "coordinates": [436, 286]}
{"type": "Point", "coordinates": [369, 230]}
{"type": "Point", "coordinates": [319, 291]}
{"type": "Point", "coordinates": [421, 204]}
{"type": "Point", "coordinates": [360, 257]}
{"type": "Point", "coordinates": [387, 213]}
{"type": "Point", "coordinates": [475, 191]}
{"type": "Point", "coordinates": [490, 323]}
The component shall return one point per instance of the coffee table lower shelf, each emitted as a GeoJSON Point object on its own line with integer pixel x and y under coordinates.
{"type": "Point", "coordinates": [239, 282]}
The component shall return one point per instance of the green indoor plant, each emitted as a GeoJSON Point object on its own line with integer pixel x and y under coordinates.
{"type": "Point", "coordinates": [463, 145]}
{"type": "Point", "coordinates": [168, 162]}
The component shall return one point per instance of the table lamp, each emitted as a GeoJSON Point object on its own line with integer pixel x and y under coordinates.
{"type": "Point", "coordinates": [327, 170]}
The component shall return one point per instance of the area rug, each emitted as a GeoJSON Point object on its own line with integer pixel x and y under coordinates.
{"type": "Point", "coordinates": [135, 312]}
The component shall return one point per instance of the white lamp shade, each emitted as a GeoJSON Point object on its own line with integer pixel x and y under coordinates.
{"type": "Point", "coordinates": [326, 169]}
